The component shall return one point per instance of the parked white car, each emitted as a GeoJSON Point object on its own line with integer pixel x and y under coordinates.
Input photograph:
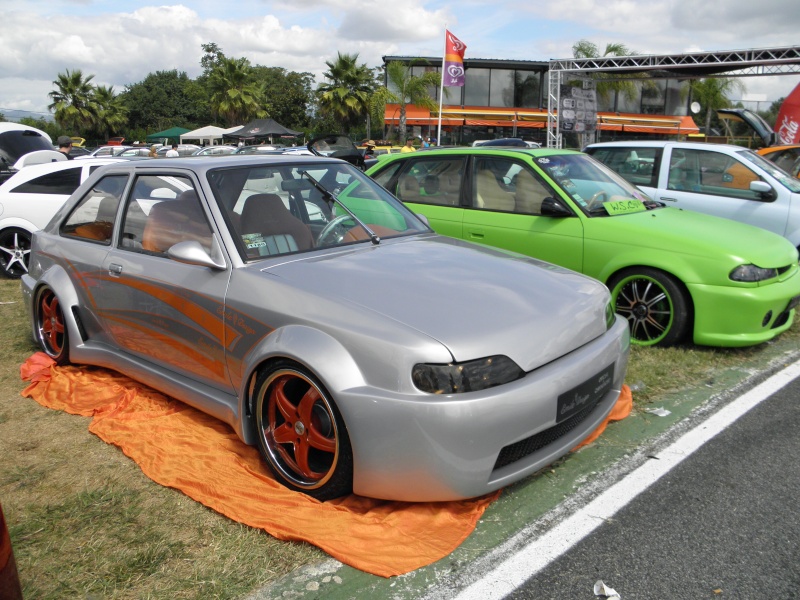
{"type": "Point", "coordinates": [29, 199]}
{"type": "Point", "coordinates": [717, 179]}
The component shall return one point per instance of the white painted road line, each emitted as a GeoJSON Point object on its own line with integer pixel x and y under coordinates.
{"type": "Point", "coordinates": [536, 555]}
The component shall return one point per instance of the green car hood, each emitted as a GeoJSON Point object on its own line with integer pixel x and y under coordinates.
{"type": "Point", "coordinates": [674, 230]}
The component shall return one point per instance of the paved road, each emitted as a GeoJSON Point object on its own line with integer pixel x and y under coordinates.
{"type": "Point", "coordinates": [725, 523]}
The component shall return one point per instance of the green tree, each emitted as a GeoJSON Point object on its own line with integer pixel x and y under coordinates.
{"type": "Point", "coordinates": [211, 59]}
{"type": "Point", "coordinates": [73, 103]}
{"type": "Point", "coordinates": [346, 93]}
{"type": "Point", "coordinates": [289, 95]}
{"type": "Point", "coordinates": [235, 95]}
{"type": "Point", "coordinates": [621, 84]}
{"type": "Point", "coordinates": [163, 99]}
{"type": "Point", "coordinates": [712, 93]}
{"type": "Point", "coordinates": [405, 88]}
{"type": "Point", "coordinates": [112, 116]}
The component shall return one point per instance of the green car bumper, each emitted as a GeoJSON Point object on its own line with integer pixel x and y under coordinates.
{"type": "Point", "coordinates": [734, 316]}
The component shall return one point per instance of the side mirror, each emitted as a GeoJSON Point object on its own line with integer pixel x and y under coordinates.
{"type": "Point", "coordinates": [422, 218]}
{"type": "Point", "coordinates": [764, 190]}
{"type": "Point", "coordinates": [553, 208]}
{"type": "Point", "coordinates": [191, 252]}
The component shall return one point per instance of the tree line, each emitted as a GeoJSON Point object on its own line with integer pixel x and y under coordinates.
{"type": "Point", "coordinates": [232, 91]}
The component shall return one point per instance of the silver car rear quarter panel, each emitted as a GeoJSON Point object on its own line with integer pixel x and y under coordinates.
{"type": "Point", "coordinates": [434, 448]}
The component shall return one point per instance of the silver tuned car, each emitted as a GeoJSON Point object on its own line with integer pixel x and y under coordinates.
{"type": "Point", "coordinates": [299, 302]}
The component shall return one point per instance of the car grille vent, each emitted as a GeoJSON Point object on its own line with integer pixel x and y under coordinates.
{"type": "Point", "coordinates": [521, 449]}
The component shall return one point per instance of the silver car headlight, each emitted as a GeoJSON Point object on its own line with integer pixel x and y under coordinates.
{"type": "Point", "coordinates": [470, 376]}
{"type": "Point", "coordinates": [610, 316]}
{"type": "Point", "coordinates": [751, 273]}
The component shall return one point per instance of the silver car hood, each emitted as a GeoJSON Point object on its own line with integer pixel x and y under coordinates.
{"type": "Point", "coordinates": [472, 299]}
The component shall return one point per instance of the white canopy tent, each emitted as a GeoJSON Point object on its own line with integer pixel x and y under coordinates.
{"type": "Point", "coordinates": [210, 135]}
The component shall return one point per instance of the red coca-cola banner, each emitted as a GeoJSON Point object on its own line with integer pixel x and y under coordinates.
{"type": "Point", "coordinates": [788, 123]}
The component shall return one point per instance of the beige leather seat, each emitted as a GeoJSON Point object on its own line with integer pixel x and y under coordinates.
{"type": "Point", "coordinates": [408, 190]}
{"type": "Point", "coordinates": [529, 194]}
{"type": "Point", "coordinates": [490, 194]}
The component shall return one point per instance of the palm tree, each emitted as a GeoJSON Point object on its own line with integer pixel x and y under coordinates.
{"type": "Point", "coordinates": [620, 85]}
{"type": "Point", "coordinates": [403, 89]}
{"type": "Point", "coordinates": [236, 96]}
{"type": "Point", "coordinates": [73, 101]}
{"type": "Point", "coordinates": [347, 93]}
{"type": "Point", "coordinates": [112, 113]}
{"type": "Point", "coordinates": [712, 93]}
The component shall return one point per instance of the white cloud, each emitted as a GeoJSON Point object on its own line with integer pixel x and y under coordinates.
{"type": "Point", "coordinates": [121, 42]}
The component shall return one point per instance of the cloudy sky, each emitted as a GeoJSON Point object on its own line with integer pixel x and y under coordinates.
{"type": "Point", "coordinates": [121, 41]}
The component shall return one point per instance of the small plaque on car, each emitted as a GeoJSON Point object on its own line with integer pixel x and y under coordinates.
{"type": "Point", "coordinates": [586, 394]}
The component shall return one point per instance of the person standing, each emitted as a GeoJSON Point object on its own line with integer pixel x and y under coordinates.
{"type": "Point", "coordinates": [409, 147]}
{"type": "Point", "coordinates": [65, 145]}
{"type": "Point", "coordinates": [173, 152]}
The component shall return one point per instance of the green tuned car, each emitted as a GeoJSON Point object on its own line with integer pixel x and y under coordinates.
{"type": "Point", "coordinates": [671, 272]}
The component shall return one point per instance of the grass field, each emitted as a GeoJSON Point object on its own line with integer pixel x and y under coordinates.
{"type": "Point", "coordinates": [86, 523]}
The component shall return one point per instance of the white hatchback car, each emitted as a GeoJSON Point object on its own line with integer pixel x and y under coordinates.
{"type": "Point", "coordinates": [717, 179]}
{"type": "Point", "coordinates": [29, 199]}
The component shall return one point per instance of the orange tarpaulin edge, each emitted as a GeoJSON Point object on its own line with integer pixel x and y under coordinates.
{"type": "Point", "coordinates": [180, 447]}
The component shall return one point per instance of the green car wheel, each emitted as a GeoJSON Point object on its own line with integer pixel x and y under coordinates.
{"type": "Point", "coordinates": [654, 304]}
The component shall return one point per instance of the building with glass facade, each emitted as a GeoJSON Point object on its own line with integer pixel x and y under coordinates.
{"type": "Point", "coordinates": [508, 98]}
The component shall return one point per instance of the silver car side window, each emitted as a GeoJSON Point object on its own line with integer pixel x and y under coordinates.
{"type": "Point", "coordinates": [93, 218]}
{"type": "Point", "coordinates": [162, 211]}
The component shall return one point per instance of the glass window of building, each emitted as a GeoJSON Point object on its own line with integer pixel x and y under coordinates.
{"type": "Point", "coordinates": [501, 88]}
{"type": "Point", "coordinates": [476, 87]}
{"type": "Point", "coordinates": [653, 96]}
{"type": "Point", "coordinates": [527, 89]}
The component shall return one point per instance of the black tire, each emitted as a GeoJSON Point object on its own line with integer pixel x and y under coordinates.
{"type": "Point", "coordinates": [15, 251]}
{"type": "Point", "coordinates": [655, 304]}
{"type": "Point", "coordinates": [51, 328]}
{"type": "Point", "coordinates": [301, 433]}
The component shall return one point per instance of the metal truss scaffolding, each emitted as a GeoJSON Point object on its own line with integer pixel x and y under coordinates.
{"type": "Point", "coordinates": [695, 65]}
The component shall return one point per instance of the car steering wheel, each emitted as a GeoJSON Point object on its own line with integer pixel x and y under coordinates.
{"type": "Point", "coordinates": [595, 199]}
{"type": "Point", "coordinates": [335, 230]}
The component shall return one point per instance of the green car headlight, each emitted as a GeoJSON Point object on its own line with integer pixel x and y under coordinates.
{"type": "Point", "coordinates": [751, 273]}
{"type": "Point", "coordinates": [471, 376]}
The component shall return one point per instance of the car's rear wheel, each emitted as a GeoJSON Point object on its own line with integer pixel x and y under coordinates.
{"type": "Point", "coordinates": [654, 303]}
{"type": "Point", "coordinates": [15, 249]}
{"type": "Point", "coordinates": [51, 328]}
{"type": "Point", "coordinates": [301, 433]}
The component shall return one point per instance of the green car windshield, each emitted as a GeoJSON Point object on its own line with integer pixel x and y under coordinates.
{"type": "Point", "coordinates": [594, 188]}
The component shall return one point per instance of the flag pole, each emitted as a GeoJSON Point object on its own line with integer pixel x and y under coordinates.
{"type": "Point", "coordinates": [441, 89]}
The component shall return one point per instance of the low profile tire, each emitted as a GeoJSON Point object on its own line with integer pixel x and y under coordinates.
{"type": "Point", "coordinates": [301, 434]}
{"type": "Point", "coordinates": [15, 251]}
{"type": "Point", "coordinates": [654, 303]}
{"type": "Point", "coordinates": [51, 328]}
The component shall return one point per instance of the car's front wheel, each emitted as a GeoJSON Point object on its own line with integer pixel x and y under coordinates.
{"type": "Point", "coordinates": [300, 432]}
{"type": "Point", "coordinates": [51, 328]}
{"type": "Point", "coordinates": [654, 303]}
{"type": "Point", "coordinates": [15, 249]}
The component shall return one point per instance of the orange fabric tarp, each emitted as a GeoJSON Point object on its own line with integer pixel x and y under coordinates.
{"type": "Point", "coordinates": [180, 447]}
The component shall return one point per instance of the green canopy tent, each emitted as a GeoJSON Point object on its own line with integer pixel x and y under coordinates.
{"type": "Point", "coordinates": [173, 134]}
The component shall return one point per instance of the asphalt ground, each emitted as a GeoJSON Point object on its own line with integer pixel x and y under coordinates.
{"type": "Point", "coordinates": [531, 508]}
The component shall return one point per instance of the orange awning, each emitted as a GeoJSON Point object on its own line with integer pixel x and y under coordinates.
{"type": "Point", "coordinates": [483, 116]}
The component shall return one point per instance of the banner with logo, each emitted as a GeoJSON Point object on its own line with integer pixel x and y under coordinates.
{"type": "Point", "coordinates": [787, 125]}
{"type": "Point", "coordinates": [453, 72]}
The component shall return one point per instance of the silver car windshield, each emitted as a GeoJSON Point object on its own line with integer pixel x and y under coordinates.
{"type": "Point", "coordinates": [596, 189]}
{"type": "Point", "coordinates": [276, 209]}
